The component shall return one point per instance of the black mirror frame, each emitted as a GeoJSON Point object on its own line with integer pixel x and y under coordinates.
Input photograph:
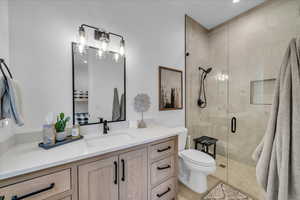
{"type": "Point", "coordinates": [73, 46]}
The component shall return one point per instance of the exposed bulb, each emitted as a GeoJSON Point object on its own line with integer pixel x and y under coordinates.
{"type": "Point", "coordinates": [82, 38]}
{"type": "Point", "coordinates": [116, 57]}
{"type": "Point", "coordinates": [122, 48]}
{"type": "Point", "coordinates": [100, 53]}
{"type": "Point", "coordinates": [104, 45]}
{"type": "Point", "coordinates": [81, 48]}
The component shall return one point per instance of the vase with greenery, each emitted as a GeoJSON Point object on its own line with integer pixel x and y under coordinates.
{"type": "Point", "coordinates": [60, 126]}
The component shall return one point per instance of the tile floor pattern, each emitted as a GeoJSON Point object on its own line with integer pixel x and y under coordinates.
{"type": "Point", "coordinates": [225, 192]}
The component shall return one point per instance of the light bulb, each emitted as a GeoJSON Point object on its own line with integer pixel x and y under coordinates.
{"type": "Point", "coordinates": [122, 48]}
{"type": "Point", "coordinates": [104, 45]}
{"type": "Point", "coordinates": [116, 57]}
{"type": "Point", "coordinates": [104, 39]}
{"type": "Point", "coordinates": [81, 48]}
{"type": "Point", "coordinates": [100, 53]}
{"type": "Point", "coordinates": [235, 1]}
{"type": "Point", "coordinates": [82, 38]}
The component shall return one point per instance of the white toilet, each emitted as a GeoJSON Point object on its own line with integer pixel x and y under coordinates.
{"type": "Point", "coordinates": [194, 166]}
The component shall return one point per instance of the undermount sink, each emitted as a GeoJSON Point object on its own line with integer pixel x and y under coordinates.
{"type": "Point", "coordinates": [109, 140]}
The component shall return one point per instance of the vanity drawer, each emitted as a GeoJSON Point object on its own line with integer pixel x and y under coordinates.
{"type": "Point", "coordinates": [165, 191]}
{"type": "Point", "coordinates": [39, 188]}
{"type": "Point", "coordinates": [162, 149]}
{"type": "Point", "coordinates": [162, 170]}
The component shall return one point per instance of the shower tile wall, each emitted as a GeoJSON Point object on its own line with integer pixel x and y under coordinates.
{"type": "Point", "coordinates": [203, 48]}
{"type": "Point", "coordinates": [249, 47]}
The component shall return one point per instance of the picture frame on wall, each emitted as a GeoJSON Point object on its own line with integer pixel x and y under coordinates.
{"type": "Point", "coordinates": [170, 89]}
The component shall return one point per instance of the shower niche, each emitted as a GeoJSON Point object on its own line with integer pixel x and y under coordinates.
{"type": "Point", "coordinates": [261, 91]}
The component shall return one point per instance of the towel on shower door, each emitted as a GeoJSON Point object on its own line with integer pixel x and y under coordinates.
{"type": "Point", "coordinates": [11, 102]}
{"type": "Point", "coordinates": [278, 155]}
{"type": "Point", "coordinates": [116, 106]}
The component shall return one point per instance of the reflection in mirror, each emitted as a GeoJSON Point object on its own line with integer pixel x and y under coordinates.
{"type": "Point", "coordinates": [98, 86]}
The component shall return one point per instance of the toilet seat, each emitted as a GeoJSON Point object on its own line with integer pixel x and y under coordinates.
{"type": "Point", "coordinates": [198, 158]}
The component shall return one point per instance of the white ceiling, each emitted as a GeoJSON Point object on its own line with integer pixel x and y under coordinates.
{"type": "Point", "coordinates": [211, 13]}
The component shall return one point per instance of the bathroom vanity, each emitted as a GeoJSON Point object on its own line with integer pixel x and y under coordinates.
{"type": "Point", "coordinates": [138, 165]}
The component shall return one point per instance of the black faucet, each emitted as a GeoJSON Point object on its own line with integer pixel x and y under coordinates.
{"type": "Point", "coordinates": [105, 125]}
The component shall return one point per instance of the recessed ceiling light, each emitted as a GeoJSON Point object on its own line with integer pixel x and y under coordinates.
{"type": "Point", "coordinates": [235, 1]}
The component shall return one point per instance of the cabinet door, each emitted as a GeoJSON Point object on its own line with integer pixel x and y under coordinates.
{"type": "Point", "coordinates": [133, 175]}
{"type": "Point", "coordinates": [99, 180]}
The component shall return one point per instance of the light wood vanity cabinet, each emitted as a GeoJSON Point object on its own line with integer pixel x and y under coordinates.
{"type": "Point", "coordinates": [133, 175]}
{"type": "Point", "coordinates": [121, 177]}
{"type": "Point", "coordinates": [143, 172]}
{"type": "Point", "coordinates": [98, 180]}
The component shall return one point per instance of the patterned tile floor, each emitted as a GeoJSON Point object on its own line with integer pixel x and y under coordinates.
{"type": "Point", "coordinates": [225, 192]}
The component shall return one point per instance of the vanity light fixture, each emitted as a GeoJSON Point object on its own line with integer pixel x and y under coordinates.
{"type": "Point", "coordinates": [102, 39]}
{"type": "Point", "coordinates": [235, 1]}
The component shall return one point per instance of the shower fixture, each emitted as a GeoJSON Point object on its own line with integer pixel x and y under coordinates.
{"type": "Point", "coordinates": [202, 103]}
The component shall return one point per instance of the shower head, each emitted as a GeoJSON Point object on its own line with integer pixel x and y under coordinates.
{"type": "Point", "coordinates": [206, 70]}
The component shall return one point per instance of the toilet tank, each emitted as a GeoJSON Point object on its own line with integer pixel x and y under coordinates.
{"type": "Point", "coordinates": [182, 136]}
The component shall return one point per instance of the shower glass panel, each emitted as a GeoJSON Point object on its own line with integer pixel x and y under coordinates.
{"type": "Point", "coordinates": [257, 42]}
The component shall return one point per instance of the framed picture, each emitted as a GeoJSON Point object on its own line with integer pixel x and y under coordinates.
{"type": "Point", "coordinates": [170, 89]}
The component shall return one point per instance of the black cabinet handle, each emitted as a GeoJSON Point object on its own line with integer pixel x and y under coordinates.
{"type": "Point", "coordinates": [233, 125]}
{"type": "Point", "coordinates": [162, 150]}
{"type": "Point", "coordinates": [51, 186]}
{"type": "Point", "coordinates": [162, 194]}
{"type": "Point", "coordinates": [116, 172]}
{"type": "Point", "coordinates": [162, 168]}
{"type": "Point", "coordinates": [123, 170]}
{"type": "Point", "coordinates": [2, 197]}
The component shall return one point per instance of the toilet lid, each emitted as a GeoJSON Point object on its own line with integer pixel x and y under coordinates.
{"type": "Point", "coordinates": [198, 157]}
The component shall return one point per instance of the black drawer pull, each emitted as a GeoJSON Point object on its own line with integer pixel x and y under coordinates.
{"type": "Point", "coordinates": [51, 186]}
{"type": "Point", "coordinates": [116, 172]}
{"type": "Point", "coordinates": [162, 150]}
{"type": "Point", "coordinates": [2, 197]}
{"type": "Point", "coordinates": [162, 194]}
{"type": "Point", "coordinates": [123, 170]}
{"type": "Point", "coordinates": [162, 168]}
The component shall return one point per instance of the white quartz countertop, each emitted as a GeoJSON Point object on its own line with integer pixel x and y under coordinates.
{"type": "Point", "coordinates": [26, 158]}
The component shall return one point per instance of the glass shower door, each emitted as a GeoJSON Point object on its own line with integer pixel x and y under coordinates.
{"type": "Point", "coordinates": [256, 46]}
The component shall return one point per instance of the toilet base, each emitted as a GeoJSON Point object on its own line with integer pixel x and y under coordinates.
{"type": "Point", "coordinates": [196, 181]}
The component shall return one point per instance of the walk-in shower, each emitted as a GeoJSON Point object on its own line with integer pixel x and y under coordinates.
{"type": "Point", "coordinates": [245, 54]}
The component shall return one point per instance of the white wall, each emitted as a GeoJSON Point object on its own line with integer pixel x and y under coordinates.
{"type": "Point", "coordinates": [4, 34]}
{"type": "Point", "coordinates": [41, 33]}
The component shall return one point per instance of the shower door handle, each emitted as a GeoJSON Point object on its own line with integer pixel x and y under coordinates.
{"type": "Point", "coordinates": [233, 124]}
